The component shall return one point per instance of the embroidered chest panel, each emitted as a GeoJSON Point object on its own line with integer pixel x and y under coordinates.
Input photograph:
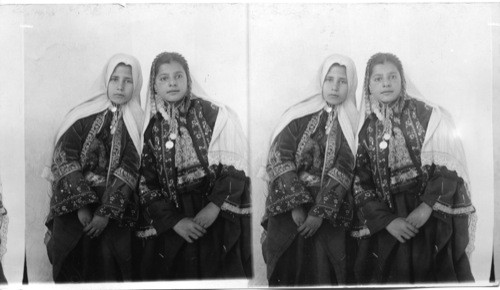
{"type": "Point", "coordinates": [94, 153]}
{"type": "Point", "coordinates": [187, 161]}
{"type": "Point", "coordinates": [95, 149]}
{"type": "Point", "coordinates": [316, 151]}
{"type": "Point", "coordinates": [405, 146]}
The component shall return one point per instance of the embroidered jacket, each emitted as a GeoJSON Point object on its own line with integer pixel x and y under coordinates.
{"type": "Point", "coordinates": [93, 167]}
{"type": "Point", "coordinates": [310, 166]}
{"type": "Point", "coordinates": [376, 183]}
{"type": "Point", "coordinates": [167, 173]}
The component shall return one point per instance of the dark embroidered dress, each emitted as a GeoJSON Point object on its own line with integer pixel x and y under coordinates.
{"type": "Point", "coordinates": [177, 183]}
{"type": "Point", "coordinates": [383, 192]}
{"type": "Point", "coordinates": [309, 167]}
{"type": "Point", "coordinates": [97, 169]}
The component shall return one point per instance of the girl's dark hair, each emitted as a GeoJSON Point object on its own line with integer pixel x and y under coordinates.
{"type": "Point", "coordinates": [380, 58]}
{"type": "Point", "coordinates": [169, 57]}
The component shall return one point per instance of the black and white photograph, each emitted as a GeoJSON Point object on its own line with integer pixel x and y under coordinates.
{"type": "Point", "coordinates": [249, 145]}
{"type": "Point", "coordinates": [138, 193]}
{"type": "Point", "coordinates": [440, 59]}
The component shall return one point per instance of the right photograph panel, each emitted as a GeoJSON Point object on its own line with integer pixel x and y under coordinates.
{"type": "Point", "coordinates": [371, 143]}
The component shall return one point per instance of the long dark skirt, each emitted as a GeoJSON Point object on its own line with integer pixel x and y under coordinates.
{"type": "Point", "coordinates": [319, 260]}
{"type": "Point", "coordinates": [435, 254]}
{"type": "Point", "coordinates": [77, 258]}
{"type": "Point", "coordinates": [223, 252]}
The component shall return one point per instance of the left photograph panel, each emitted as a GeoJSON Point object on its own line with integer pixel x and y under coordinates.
{"type": "Point", "coordinates": [136, 151]}
{"type": "Point", "coordinates": [12, 166]}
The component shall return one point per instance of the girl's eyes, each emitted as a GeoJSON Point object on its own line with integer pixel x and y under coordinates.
{"type": "Point", "coordinates": [379, 79]}
{"type": "Point", "coordinates": [331, 80]}
{"type": "Point", "coordinates": [116, 79]}
{"type": "Point", "coordinates": [179, 76]}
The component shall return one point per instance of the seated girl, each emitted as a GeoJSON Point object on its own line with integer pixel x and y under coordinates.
{"type": "Point", "coordinates": [309, 204]}
{"type": "Point", "coordinates": [95, 168]}
{"type": "Point", "coordinates": [194, 189]}
{"type": "Point", "coordinates": [411, 187]}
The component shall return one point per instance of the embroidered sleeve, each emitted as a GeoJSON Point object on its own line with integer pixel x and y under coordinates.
{"type": "Point", "coordinates": [372, 211]}
{"type": "Point", "coordinates": [231, 192]}
{"type": "Point", "coordinates": [70, 190]}
{"type": "Point", "coordinates": [333, 202]}
{"type": "Point", "coordinates": [119, 195]}
{"type": "Point", "coordinates": [157, 210]}
{"type": "Point", "coordinates": [286, 190]}
{"type": "Point", "coordinates": [446, 192]}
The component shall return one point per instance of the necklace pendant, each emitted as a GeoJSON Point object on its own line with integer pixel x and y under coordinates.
{"type": "Point", "coordinates": [113, 109]}
{"type": "Point", "coordinates": [387, 136]}
{"type": "Point", "coordinates": [383, 145]}
{"type": "Point", "coordinates": [172, 136]}
{"type": "Point", "coordinates": [328, 109]}
{"type": "Point", "coordinates": [169, 145]}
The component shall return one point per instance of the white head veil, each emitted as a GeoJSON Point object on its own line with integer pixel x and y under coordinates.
{"type": "Point", "coordinates": [228, 144]}
{"type": "Point", "coordinates": [99, 101]}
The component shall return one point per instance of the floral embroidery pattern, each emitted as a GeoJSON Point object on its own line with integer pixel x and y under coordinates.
{"type": "Point", "coordinates": [76, 189]}
{"type": "Point", "coordinates": [96, 128]}
{"type": "Point", "coordinates": [71, 195]}
{"type": "Point", "coordinates": [317, 156]}
{"type": "Point", "coordinates": [286, 195]}
{"type": "Point", "coordinates": [129, 178]}
{"type": "Point", "coordinates": [60, 166]}
{"type": "Point", "coordinates": [311, 127]}
{"type": "Point", "coordinates": [280, 169]}
{"type": "Point", "coordinates": [331, 146]}
{"type": "Point", "coordinates": [116, 148]}
{"type": "Point", "coordinates": [190, 176]}
{"type": "Point", "coordinates": [147, 195]}
{"type": "Point", "coordinates": [187, 160]}
{"type": "Point", "coordinates": [342, 178]}
{"type": "Point", "coordinates": [185, 154]}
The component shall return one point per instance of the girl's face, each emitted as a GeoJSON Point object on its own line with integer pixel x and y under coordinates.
{"type": "Point", "coordinates": [335, 86]}
{"type": "Point", "coordinates": [385, 82]}
{"type": "Point", "coordinates": [121, 85]}
{"type": "Point", "coordinates": [171, 82]}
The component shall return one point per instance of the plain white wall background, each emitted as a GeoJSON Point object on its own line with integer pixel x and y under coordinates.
{"type": "Point", "coordinates": [446, 50]}
{"type": "Point", "coordinates": [12, 139]}
{"type": "Point", "coordinates": [66, 49]}
{"type": "Point", "coordinates": [496, 128]}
